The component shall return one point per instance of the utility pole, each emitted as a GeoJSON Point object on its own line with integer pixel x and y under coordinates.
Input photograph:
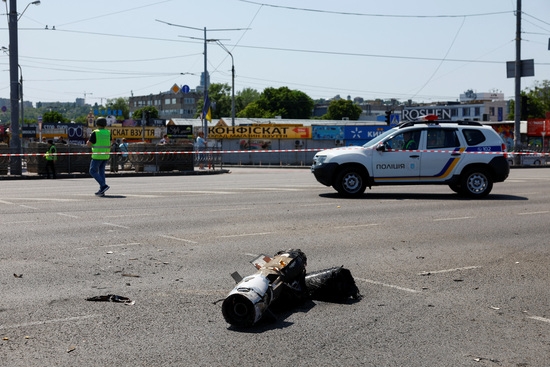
{"type": "Point", "coordinates": [15, 140]}
{"type": "Point", "coordinates": [517, 78]}
{"type": "Point", "coordinates": [206, 78]}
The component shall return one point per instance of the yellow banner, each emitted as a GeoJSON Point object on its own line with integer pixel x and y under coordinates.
{"type": "Point", "coordinates": [131, 132]}
{"type": "Point", "coordinates": [259, 132]}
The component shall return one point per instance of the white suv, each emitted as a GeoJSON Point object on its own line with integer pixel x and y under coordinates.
{"type": "Point", "coordinates": [465, 155]}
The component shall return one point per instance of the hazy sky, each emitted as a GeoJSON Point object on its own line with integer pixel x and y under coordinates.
{"type": "Point", "coordinates": [425, 50]}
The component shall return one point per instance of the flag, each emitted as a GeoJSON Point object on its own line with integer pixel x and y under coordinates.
{"type": "Point", "coordinates": [209, 115]}
{"type": "Point", "coordinates": [206, 107]}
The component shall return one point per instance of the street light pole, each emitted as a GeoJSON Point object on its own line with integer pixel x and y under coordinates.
{"type": "Point", "coordinates": [15, 140]}
{"type": "Point", "coordinates": [232, 83]}
{"type": "Point", "coordinates": [21, 94]}
{"type": "Point", "coordinates": [15, 88]}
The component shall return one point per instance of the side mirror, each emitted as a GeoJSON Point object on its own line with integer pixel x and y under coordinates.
{"type": "Point", "coordinates": [381, 147]}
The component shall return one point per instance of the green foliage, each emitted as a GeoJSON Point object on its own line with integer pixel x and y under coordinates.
{"type": "Point", "coordinates": [341, 108]}
{"type": "Point", "coordinates": [246, 97]}
{"type": "Point", "coordinates": [52, 117]}
{"type": "Point", "coordinates": [119, 104]}
{"type": "Point", "coordinates": [254, 110]}
{"type": "Point", "coordinates": [220, 101]}
{"type": "Point", "coordinates": [152, 111]}
{"type": "Point", "coordinates": [535, 102]}
{"type": "Point", "coordinates": [289, 104]}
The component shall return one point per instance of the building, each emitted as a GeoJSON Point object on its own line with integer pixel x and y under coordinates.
{"type": "Point", "coordinates": [487, 107]}
{"type": "Point", "coordinates": [169, 104]}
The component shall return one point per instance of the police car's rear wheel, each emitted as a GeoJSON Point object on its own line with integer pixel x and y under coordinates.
{"type": "Point", "coordinates": [350, 183]}
{"type": "Point", "coordinates": [476, 183]}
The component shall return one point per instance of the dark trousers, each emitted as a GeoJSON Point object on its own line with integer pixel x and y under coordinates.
{"type": "Point", "coordinates": [50, 169]}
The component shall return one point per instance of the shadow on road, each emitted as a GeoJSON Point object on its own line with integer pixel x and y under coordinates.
{"type": "Point", "coordinates": [424, 196]}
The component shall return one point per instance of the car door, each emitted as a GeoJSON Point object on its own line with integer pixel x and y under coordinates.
{"type": "Point", "coordinates": [442, 154]}
{"type": "Point", "coordinates": [392, 163]}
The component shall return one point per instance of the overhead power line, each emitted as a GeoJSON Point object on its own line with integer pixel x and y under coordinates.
{"type": "Point", "coordinates": [374, 15]}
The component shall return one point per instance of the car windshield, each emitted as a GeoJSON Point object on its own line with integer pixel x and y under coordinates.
{"type": "Point", "coordinates": [379, 138]}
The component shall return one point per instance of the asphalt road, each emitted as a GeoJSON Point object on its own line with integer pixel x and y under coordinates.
{"type": "Point", "coordinates": [446, 281]}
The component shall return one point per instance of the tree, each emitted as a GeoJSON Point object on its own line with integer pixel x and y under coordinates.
{"type": "Point", "coordinates": [52, 117]}
{"type": "Point", "coordinates": [535, 102]}
{"type": "Point", "coordinates": [246, 97]}
{"type": "Point", "coordinates": [220, 101]}
{"type": "Point", "coordinates": [341, 108]}
{"type": "Point", "coordinates": [150, 112]}
{"type": "Point", "coordinates": [289, 104]}
{"type": "Point", "coordinates": [119, 104]}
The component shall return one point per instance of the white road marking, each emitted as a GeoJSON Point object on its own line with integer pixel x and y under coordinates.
{"type": "Point", "coordinates": [197, 192]}
{"type": "Point", "coordinates": [457, 218]}
{"type": "Point", "coordinates": [76, 318]}
{"type": "Point", "coordinates": [6, 202]}
{"type": "Point", "coordinates": [449, 270]}
{"type": "Point", "coordinates": [358, 225]}
{"type": "Point", "coordinates": [388, 285]}
{"type": "Point", "coordinates": [116, 225]}
{"type": "Point", "coordinates": [28, 207]}
{"type": "Point", "coordinates": [67, 215]}
{"type": "Point", "coordinates": [245, 234]}
{"type": "Point", "coordinates": [538, 318]}
{"type": "Point", "coordinates": [126, 215]}
{"type": "Point", "coordinates": [46, 199]}
{"type": "Point", "coordinates": [177, 238]}
{"type": "Point", "coordinates": [230, 209]}
{"type": "Point", "coordinates": [323, 204]}
{"type": "Point", "coordinates": [534, 213]}
{"type": "Point", "coordinates": [123, 244]}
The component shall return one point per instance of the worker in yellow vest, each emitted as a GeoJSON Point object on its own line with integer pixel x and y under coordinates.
{"type": "Point", "coordinates": [51, 157]}
{"type": "Point", "coordinates": [100, 141]}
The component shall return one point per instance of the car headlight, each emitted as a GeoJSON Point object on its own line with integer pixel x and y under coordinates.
{"type": "Point", "coordinates": [319, 159]}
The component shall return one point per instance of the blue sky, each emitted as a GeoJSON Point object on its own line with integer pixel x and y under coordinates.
{"type": "Point", "coordinates": [424, 50]}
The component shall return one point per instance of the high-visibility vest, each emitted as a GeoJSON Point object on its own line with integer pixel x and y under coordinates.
{"type": "Point", "coordinates": [102, 145]}
{"type": "Point", "coordinates": [50, 154]}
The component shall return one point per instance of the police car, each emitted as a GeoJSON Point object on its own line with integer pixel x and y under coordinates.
{"type": "Point", "coordinates": [465, 155]}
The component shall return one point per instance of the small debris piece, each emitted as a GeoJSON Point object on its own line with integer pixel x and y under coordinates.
{"type": "Point", "coordinates": [130, 275]}
{"type": "Point", "coordinates": [71, 348]}
{"type": "Point", "coordinates": [5, 338]}
{"type": "Point", "coordinates": [18, 275]}
{"type": "Point", "coordinates": [111, 298]}
{"type": "Point", "coordinates": [494, 308]}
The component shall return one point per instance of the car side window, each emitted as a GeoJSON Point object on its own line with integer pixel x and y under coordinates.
{"type": "Point", "coordinates": [404, 141]}
{"type": "Point", "coordinates": [473, 137]}
{"type": "Point", "coordinates": [438, 139]}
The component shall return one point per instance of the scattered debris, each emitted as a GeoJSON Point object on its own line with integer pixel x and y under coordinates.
{"type": "Point", "coordinates": [282, 280]}
{"type": "Point", "coordinates": [111, 298]}
{"type": "Point", "coordinates": [332, 285]}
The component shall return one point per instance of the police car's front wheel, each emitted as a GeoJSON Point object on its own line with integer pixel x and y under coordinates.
{"type": "Point", "coordinates": [476, 183]}
{"type": "Point", "coordinates": [350, 182]}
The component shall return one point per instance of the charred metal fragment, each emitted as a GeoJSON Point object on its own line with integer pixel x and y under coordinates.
{"type": "Point", "coordinates": [282, 282]}
{"type": "Point", "coordinates": [332, 285]}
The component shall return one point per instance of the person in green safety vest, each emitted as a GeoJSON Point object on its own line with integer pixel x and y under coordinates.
{"type": "Point", "coordinates": [51, 157]}
{"type": "Point", "coordinates": [100, 141]}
